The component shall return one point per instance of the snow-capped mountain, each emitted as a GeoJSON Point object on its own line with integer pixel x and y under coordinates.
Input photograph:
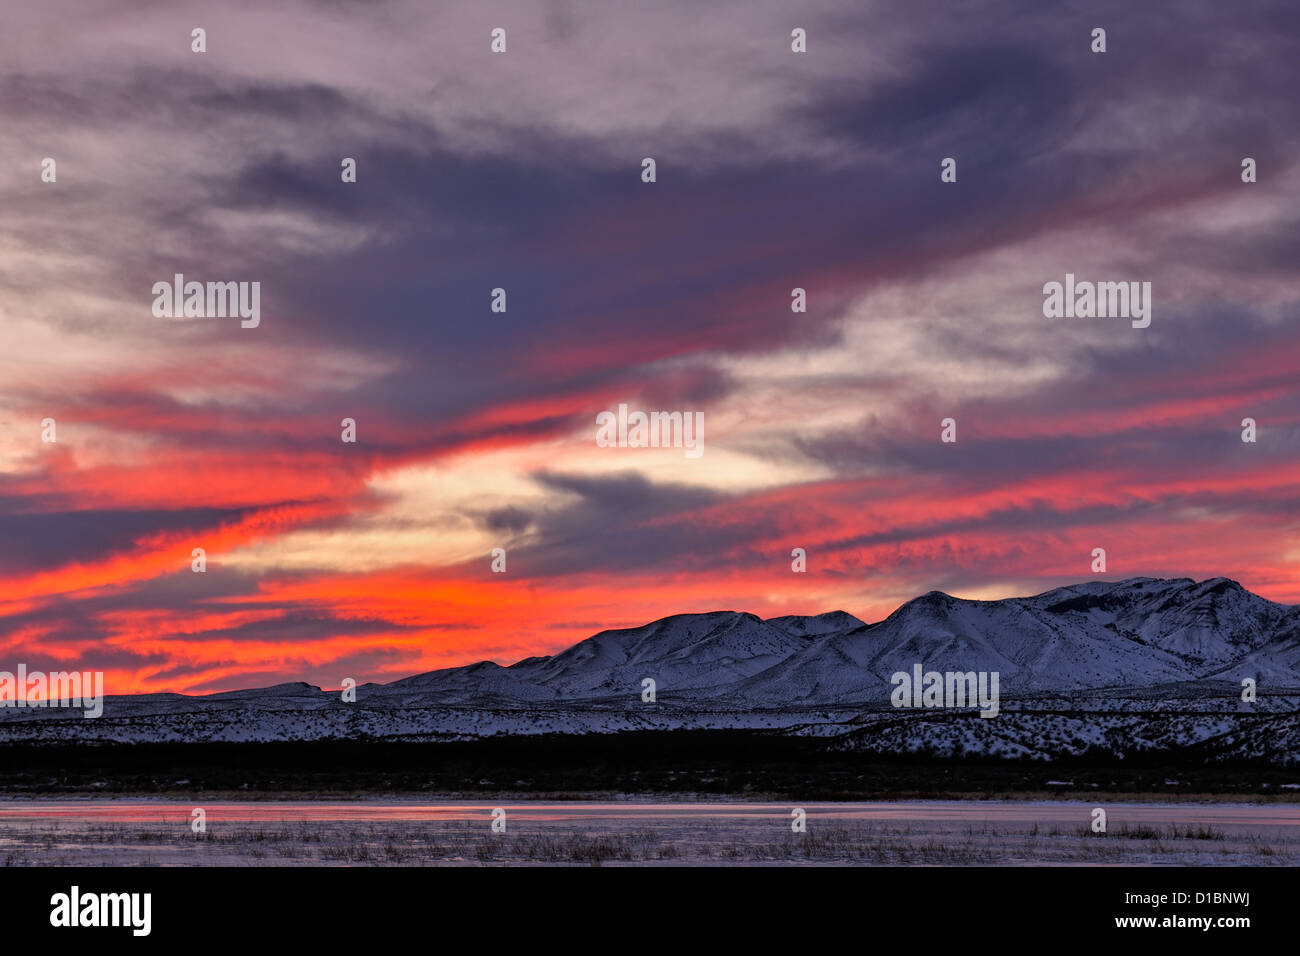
{"type": "Point", "coordinates": [1135, 633]}
{"type": "Point", "coordinates": [1134, 663]}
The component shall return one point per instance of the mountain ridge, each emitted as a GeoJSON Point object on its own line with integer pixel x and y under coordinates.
{"type": "Point", "coordinates": [1125, 666]}
{"type": "Point", "coordinates": [1171, 629]}
{"type": "Point", "coordinates": [1139, 631]}
{"type": "Point", "coordinates": [1088, 656]}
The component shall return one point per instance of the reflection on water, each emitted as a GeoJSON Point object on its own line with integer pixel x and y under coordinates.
{"type": "Point", "coordinates": [106, 831]}
{"type": "Point", "coordinates": [285, 811]}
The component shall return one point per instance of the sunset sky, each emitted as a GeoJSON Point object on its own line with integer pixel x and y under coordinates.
{"type": "Point", "coordinates": [522, 170]}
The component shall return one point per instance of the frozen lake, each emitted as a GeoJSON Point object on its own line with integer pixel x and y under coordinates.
{"type": "Point", "coordinates": [410, 832]}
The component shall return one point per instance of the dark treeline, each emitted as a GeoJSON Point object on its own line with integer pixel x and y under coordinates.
{"type": "Point", "coordinates": [739, 763]}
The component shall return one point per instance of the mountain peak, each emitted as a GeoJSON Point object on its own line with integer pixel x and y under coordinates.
{"type": "Point", "coordinates": [816, 624]}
